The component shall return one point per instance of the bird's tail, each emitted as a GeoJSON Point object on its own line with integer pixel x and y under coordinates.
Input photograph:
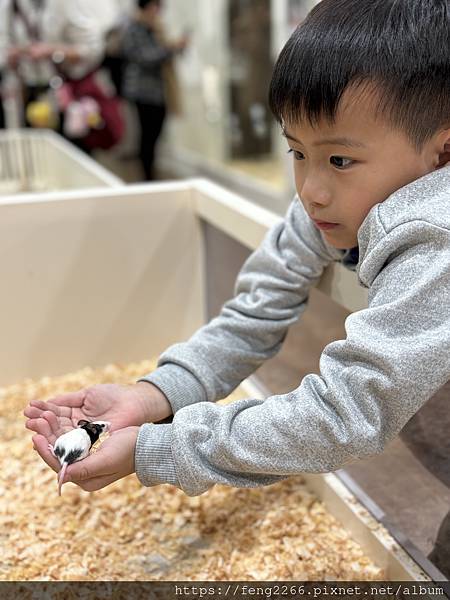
{"type": "Point", "coordinates": [61, 474]}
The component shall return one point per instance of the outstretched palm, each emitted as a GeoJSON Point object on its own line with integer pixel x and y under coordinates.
{"type": "Point", "coordinates": [121, 405]}
{"type": "Point", "coordinates": [126, 407]}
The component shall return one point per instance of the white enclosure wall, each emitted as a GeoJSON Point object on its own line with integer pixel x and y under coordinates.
{"type": "Point", "coordinates": [41, 160]}
{"type": "Point", "coordinates": [116, 275]}
{"type": "Point", "coordinates": [91, 277]}
{"type": "Point", "coordinates": [96, 279]}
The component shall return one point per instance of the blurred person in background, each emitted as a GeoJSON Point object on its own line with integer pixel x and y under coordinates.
{"type": "Point", "coordinates": [149, 79]}
{"type": "Point", "coordinates": [44, 39]}
{"type": "Point", "coordinates": [114, 61]}
{"type": "Point", "coordinates": [2, 112]}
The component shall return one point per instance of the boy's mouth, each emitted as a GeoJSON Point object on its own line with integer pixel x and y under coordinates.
{"type": "Point", "coordinates": [325, 225]}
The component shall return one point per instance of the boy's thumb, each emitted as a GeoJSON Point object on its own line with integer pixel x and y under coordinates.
{"type": "Point", "coordinates": [87, 468]}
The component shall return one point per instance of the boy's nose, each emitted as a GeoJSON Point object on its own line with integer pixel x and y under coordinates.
{"type": "Point", "coordinates": [314, 194]}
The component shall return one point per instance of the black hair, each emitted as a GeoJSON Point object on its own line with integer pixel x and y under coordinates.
{"type": "Point", "coordinates": [144, 3]}
{"type": "Point", "coordinates": [399, 49]}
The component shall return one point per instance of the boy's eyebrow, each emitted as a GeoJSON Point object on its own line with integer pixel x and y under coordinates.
{"type": "Point", "coordinates": [339, 141]}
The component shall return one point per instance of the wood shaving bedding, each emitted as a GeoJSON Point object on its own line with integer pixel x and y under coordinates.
{"type": "Point", "coordinates": [128, 532]}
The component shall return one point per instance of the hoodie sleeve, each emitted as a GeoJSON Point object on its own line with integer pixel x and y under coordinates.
{"type": "Point", "coordinates": [271, 292]}
{"type": "Point", "coordinates": [395, 356]}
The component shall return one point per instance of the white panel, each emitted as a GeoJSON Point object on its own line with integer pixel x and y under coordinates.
{"type": "Point", "coordinates": [91, 276]}
{"type": "Point", "coordinates": [74, 169]}
{"type": "Point", "coordinates": [240, 219]}
{"type": "Point", "coordinates": [91, 280]}
{"type": "Point", "coordinates": [40, 161]}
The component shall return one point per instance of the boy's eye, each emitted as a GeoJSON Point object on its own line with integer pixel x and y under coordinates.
{"type": "Point", "coordinates": [340, 162]}
{"type": "Point", "coordinates": [297, 155]}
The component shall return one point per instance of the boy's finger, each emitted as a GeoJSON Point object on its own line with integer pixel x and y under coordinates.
{"type": "Point", "coordinates": [91, 467]}
{"type": "Point", "coordinates": [54, 423]}
{"type": "Point", "coordinates": [41, 445]}
{"type": "Point", "coordinates": [97, 483]}
{"type": "Point", "coordinates": [61, 411]}
{"type": "Point", "coordinates": [41, 427]}
{"type": "Point", "coordinates": [42, 404]}
{"type": "Point", "coordinates": [32, 413]}
{"type": "Point", "coordinates": [71, 399]}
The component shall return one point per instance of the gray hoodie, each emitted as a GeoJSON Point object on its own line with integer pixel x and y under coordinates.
{"type": "Point", "coordinates": [395, 356]}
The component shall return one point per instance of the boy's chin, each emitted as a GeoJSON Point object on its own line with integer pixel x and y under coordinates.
{"type": "Point", "coordinates": [340, 242]}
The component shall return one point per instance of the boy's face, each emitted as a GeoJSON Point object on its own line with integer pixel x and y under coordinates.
{"type": "Point", "coordinates": [343, 169]}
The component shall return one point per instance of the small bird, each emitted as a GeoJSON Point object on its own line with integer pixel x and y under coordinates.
{"type": "Point", "coordinates": [76, 444]}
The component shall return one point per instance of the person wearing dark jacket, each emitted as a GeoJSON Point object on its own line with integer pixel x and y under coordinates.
{"type": "Point", "coordinates": [148, 56]}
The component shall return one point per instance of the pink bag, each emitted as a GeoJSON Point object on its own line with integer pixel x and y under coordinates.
{"type": "Point", "coordinates": [111, 127]}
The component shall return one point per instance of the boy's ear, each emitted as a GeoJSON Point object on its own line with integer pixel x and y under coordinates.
{"type": "Point", "coordinates": [444, 149]}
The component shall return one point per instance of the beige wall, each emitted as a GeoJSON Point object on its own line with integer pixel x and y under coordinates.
{"type": "Point", "coordinates": [203, 72]}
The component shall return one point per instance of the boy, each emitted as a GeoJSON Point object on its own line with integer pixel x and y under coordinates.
{"type": "Point", "coordinates": [362, 92]}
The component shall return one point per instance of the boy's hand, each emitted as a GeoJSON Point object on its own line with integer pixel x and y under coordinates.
{"type": "Point", "coordinates": [113, 460]}
{"type": "Point", "coordinates": [125, 407]}
{"type": "Point", "coordinates": [121, 405]}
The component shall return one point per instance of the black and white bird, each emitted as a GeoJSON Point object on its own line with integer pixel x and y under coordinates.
{"type": "Point", "coordinates": [76, 444]}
